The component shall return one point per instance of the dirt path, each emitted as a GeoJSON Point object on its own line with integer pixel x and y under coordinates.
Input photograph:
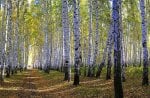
{"type": "Point", "coordinates": [26, 85]}
{"type": "Point", "coordinates": [29, 85]}
{"type": "Point", "coordinates": [37, 84]}
{"type": "Point", "coordinates": [32, 84]}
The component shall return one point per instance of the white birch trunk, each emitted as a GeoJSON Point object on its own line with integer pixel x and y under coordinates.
{"type": "Point", "coordinates": [117, 48]}
{"type": "Point", "coordinates": [77, 42]}
{"type": "Point", "coordinates": [96, 37]}
{"type": "Point", "coordinates": [144, 43]}
{"type": "Point", "coordinates": [3, 41]}
{"type": "Point", "coordinates": [66, 35]}
{"type": "Point", "coordinates": [15, 55]}
{"type": "Point", "coordinates": [90, 39]}
{"type": "Point", "coordinates": [9, 37]}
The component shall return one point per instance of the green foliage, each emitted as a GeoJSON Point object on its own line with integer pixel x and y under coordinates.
{"type": "Point", "coordinates": [134, 71]}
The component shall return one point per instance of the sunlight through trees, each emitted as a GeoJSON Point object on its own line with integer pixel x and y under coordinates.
{"type": "Point", "coordinates": [79, 43]}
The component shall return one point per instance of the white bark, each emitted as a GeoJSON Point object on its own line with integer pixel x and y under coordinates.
{"type": "Point", "coordinates": [66, 35]}
{"type": "Point", "coordinates": [2, 60]}
{"type": "Point", "coordinates": [90, 39]}
{"type": "Point", "coordinates": [96, 37]}
{"type": "Point", "coordinates": [15, 55]}
{"type": "Point", "coordinates": [77, 43]}
{"type": "Point", "coordinates": [9, 37]}
{"type": "Point", "coordinates": [144, 44]}
{"type": "Point", "coordinates": [117, 48]}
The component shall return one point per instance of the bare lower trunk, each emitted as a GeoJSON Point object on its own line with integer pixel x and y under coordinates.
{"type": "Point", "coordinates": [102, 64]}
{"type": "Point", "coordinates": [110, 45]}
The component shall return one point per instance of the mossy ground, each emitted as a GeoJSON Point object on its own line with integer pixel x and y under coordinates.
{"type": "Point", "coordinates": [37, 84]}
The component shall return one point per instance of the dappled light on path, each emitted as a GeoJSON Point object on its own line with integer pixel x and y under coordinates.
{"type": "Point", "coordinates": [37, 84]}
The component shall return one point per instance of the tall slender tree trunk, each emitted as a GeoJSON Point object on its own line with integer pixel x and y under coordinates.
{"type": "Point", "coordinates": [122, 44]}
{"type": "Point", "coordinates": [102, 64]}
{"type": "Point", "coordinates": [15, 55]}
{"type": "Point", "coordinates": [117, 49]}
{"type": "Point", "coordinates": [90, 40]}
{"type": "Point", "coordinates": [3, 41]}
{"type": "Point", "coordinates": [66, 39]}
{"type": "Point", "coordinates": [9, 37]}
{"type": "Point", "coordinates": [123, 59]}
{"type": "Point", "coordinates": [51, 37]}
{"type": "Point", "coordinates": [96, 37]}
{"type": "Point", "coordinates": [144, 44]}
{"type": "Point", "coordinates": [77, 43]}
{"type": "Point", "coordinates": [110, 45]}
{"type": "Point", "coordinates": [21, 45]}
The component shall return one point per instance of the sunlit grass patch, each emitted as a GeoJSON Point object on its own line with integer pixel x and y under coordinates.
{"type": "Point", "coordinates": [16, 77]}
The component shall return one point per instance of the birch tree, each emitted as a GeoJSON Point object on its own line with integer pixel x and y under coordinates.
{"type": "Point", "coordinates": [46, 38]}
{"type": "Point", "coordinates": [96, 37]}
{"type": "Point", "coordinates": [9, 37]}
{"type": "Point", "coordinates": [66, 40]}
{"type": "Point", "coordinates": [76, 42]}
{"type": "Point", "coordinates": [109, 62]}
{"type": "Point", "coordinates": [16, 33]}
{"type": "Point", "coordinates": [117, 49]}
{"type": "Point", "coordinates": [2, 60]}
{"type": "Point", "coordinates": [102, 64]}
{"type": "Point", "coordinates": [90, 40]}
{"type": "Point", "coordinates": [144, 43]}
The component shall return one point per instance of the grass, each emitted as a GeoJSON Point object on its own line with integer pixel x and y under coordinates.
{"type": "Point", "coordinates": [51, 85]}
{"type": "Point", "coordinates": [93, 87]}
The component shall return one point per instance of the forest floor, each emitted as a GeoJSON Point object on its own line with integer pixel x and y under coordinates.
{"type": "Point", "coordinates": [37, 84]}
